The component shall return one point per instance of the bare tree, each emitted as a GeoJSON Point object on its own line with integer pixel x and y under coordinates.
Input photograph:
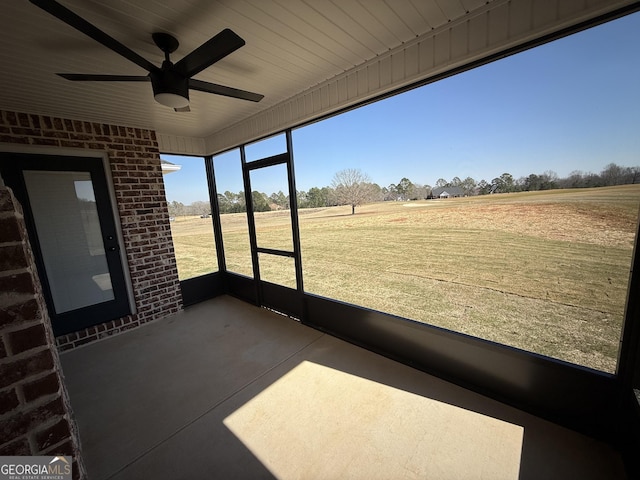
{"type": "Point", "coordinates": [613, 174]}
{"type": "Point", "coordinates": [418, 192]}
{"type": "Point", "coordinates": [200, 208]}
{"type": "Point", "coordinates": [352, 187]}
{"type": "Point", "coordinates": [176, 208]}
{"type": "Point", "coordinates": [441, 182]}
{"type": "Point", "coordinates": [633, 174]}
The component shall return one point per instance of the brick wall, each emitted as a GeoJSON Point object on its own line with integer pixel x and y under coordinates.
{"type": "Point", "coordinates": [137, 176]}
{"type": "Point", "coordinates": [35, 413]}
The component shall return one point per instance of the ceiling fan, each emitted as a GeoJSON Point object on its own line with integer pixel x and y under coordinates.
{"type": "Point", "coordinates": [170, 82]}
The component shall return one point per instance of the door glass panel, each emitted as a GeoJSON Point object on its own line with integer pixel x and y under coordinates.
{"type": "Point", "coordinates": [68, 228]}
{"type": "Point", "coordinates": [266, 148]}
{"type": "Point", "coordinates": [277, 269]}
{"type": "Point", "coordinates": [271, 207]}
{"type": "Point", "coordinates": [233, 212]}
{"type": "Point", "coordinates": [187, 192]}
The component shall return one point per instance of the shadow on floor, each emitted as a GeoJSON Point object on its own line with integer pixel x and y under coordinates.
{"type": "Point", "coordinates": [228, 390]}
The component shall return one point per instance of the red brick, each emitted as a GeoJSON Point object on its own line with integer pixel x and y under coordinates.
{"type": "Point", "coordinates": [24, 422]}
{"type": "Point", "coordinates": [12, 257]}
{"type": "Point", "coordinates": [47, 122]}
{"type": "Point", "coordinates": [80, 136]}
{"type": "Point", "coordinates": [65, 347]}
{"type": "Point", "coordinates": [44, 141]}
{"type": "Point", "coordinates": [53, 435]}
{"type": "Point", "coordinates": [55, 134]}
{"type": "Point", "coordinates": [18, 370]}
{"type": "Point", "coordinates": [35, 121]}
{"type": "Point", "coordinates": [11, 118]}
{"type": "Point", "coordinates": [27, 339]}
{"type": "Point", "coordinates": [72, 144]}
{"type": "Point", "coordinates": [67, 449]}
{"type": "Point", "coordinates": [7, 202]}
{"type": "Point", "coordinates": [10, 230]}
{"type": "Point", "coordinates": [12, 139]}
{"type": "Point", "coordinates": [16, 448]}
{"type": "Point", "coordinates": [18, 283]}
{"type": "Point", "coordinates": [84, 341]}
{"type": "Point", "coordinates": [23, 120]}
{"type": "Point", "coordinates": [78, 126]}
{"type": "Point", "coordinates": [42, 387]}
{"type": "Point", "coordinates": [8, 400]}
{"type": "Point", "coordinates": [129, 327]}
{"type": "Point", "coordinates": [129, 180]}
{"type": "Point", "coordinates": [26, 311]}
{"type": "Point", "coordinates": [25, 131]}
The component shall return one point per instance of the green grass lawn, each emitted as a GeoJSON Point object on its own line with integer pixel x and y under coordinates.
{"type": "Point", "coordinates": [542, 271]}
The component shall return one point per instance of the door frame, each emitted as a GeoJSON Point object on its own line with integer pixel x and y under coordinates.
{"type": "Point", "coordinates": [51, 158]}
{"type": "Point", "coordinates": [270, 295]}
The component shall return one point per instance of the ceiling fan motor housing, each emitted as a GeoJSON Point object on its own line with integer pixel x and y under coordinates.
{"type": "Point", "coordinates": [170, 88]}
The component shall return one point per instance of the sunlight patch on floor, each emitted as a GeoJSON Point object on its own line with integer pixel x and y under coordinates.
{"type": "Point", "coordinates": [318, 422]}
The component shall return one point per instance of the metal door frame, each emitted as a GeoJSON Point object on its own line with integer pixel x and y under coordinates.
{"type": "Point", "coordinates": [13, 164]}
{"type": "Point", "coordinates": [270, 295]}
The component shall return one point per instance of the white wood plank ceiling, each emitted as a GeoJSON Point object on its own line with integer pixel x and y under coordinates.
{"type": "Point", "coordinates": [308, 57]}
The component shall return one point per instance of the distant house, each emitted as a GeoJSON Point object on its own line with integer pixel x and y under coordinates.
{"type": "Point", "coordinates": [447, 192]}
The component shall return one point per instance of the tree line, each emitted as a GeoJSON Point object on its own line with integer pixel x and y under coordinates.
{"type": "Point", "coordinates": [354, 187]}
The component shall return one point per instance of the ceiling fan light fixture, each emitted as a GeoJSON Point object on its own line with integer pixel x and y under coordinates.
{"type": "Point", "coordinates": [170, 89]}
{"type": "Point", "coordinates": [171, 100]}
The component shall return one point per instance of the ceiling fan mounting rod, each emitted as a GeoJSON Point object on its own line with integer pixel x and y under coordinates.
{"type": "Point", "coordinates": [165, 42]}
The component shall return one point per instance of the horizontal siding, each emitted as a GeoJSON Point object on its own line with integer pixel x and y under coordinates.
{"type": "Point", "coordinates": [489, 29]}
{"type": "Point", "coordinates": [181, 145]}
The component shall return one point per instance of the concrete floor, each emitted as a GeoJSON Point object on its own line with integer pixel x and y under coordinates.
{"type": "Point", "coordinates": [227, 390]}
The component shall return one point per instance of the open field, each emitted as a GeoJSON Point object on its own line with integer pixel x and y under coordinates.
{"type": "Point", "coordinates": [194, 246]}
{"type": "Point", "coordinates": [542, 271]}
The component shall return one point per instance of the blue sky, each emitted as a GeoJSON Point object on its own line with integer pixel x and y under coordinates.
{"type": "Point", "coordinates": [573, 104]}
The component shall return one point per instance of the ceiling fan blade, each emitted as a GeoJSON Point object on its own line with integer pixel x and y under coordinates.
{"type": "Point", "coordinates": [183, 109]}
{"type": "Point", "coordinates": [82, 77]}
{"type": "Point", "coordinates": [222, 90]}
{"type": "Point", "coordinates": [209, 53]}
{"type": "Point", "coordinates": [80, 24]}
